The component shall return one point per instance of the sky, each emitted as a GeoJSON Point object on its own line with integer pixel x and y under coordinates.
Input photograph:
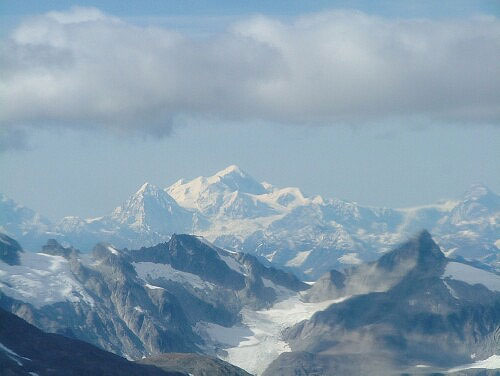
{"type": "Point", "coordinates": [391, 105]}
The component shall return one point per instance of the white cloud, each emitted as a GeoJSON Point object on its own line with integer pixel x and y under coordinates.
{"type": "Point", "coordinates": [83, 68]}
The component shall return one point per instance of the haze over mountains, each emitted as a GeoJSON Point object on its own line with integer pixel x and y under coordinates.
{"type": "Point", "coordinates": [412, 311]}
{"type": "Point", "coordinates": [378, 305]}
{"type": "Point", "coordinates": [174, 297]}
{"type": "Point", "coordinates": [308, 235]}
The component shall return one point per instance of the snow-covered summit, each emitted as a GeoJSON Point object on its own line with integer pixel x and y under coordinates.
{"type": "Point", "coordinates": [478, 204]}
{"type": "Point", "coordinates": [283, 225]}
{"type": "Point", "coordinates": [152, 209]}
{"type": "Point", "coordinates": [209, 194]}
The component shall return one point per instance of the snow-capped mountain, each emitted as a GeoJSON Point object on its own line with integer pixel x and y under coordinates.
{"type": "Point", "coordinates": [309, 235]}
{"type": "Point", "coordinates": [230, 193]}
{"type": "Point", "coordinates": [179, 296]}
{"type": "Point", "coordinates": [149, 216]}
{"type": "Point", "coordinates": [151, 209]}
{"type": "Point", "coordinates": [413, 306]}
{"type": "Point", "coordinates": [22, 222]}
{"type": "Point", "coordinates": [413, 311]}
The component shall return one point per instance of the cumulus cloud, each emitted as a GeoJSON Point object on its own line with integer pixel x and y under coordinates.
{"type": "Point", "coordinates": [83, 68]}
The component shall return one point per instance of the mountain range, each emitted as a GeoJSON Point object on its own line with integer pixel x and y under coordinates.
{"type": "Point", "coordinates": [280, 226]}
{"type": "Point", "coordinates": [172, 297]}
{"type": "Point", "coordinates": [411, 311]}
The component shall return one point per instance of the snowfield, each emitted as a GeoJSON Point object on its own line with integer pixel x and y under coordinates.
{"type": "Point", "coordinates": [493, 362]}
{"type": "Point", "coordinates": [257, 342]}
{"type": "Point", "coordinates": [41, 280]}
{"type": "Point", "coordinates": [150, 271]}
{"type": "Point", "coordinates": [472, 276]}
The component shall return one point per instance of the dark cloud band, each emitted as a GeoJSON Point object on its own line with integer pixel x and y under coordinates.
{"type": "Point", "coordinates": [85, 69]}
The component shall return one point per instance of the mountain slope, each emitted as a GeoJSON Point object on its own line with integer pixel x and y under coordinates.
{"type": "Point", "coordinates": [437, 313]}
{"type": "Point", "coordinates": [151, 209]}
{"type": "Point", "coordinates": [26, 350]}
{"type": "Point", "coordinates": [411, 307]}
{"type": "Point", "coordinates": [142, 302]}
{"type": "Point", "coordinates": [9, 250]}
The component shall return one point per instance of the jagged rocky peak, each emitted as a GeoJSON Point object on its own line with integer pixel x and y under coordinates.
{"type": "Point", "coordinates": [53, 247]}
{"type": "Point", "coordinates": [192, 254]}
{"type": "Point", "coordinates": [330, 286]}
{"type": "Point", "coordinates": [9, 250]}
{"type": "Point", "coordinates": [337, 278]}
{"type": "Point", "coordinates": [421, 248]}
{"type": "Point", "coordinates": [433, 316]}
{"type": "Point", "coordinates": [420, 254]}
{"type": "Point", "coordinates": [105, 251]}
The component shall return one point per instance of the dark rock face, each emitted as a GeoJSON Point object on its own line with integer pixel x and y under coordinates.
{"type": "Point", "coordinates": [54, 248]}
{"type": "Point", "coordinates": [277, 276]}
{"type": "Point", "coordinates": [422, 318]}
{"type": "Point", "coordinates": [194, 364]}
{"type": "Point", "coordinates": [419, 252]}
{"type": "Point", "coordinates": [9, 250]}
{"type": "Point", "coordinates": [421, 248]}
{"type": "Point", "coordinates": [146, 302]}
{"type": "Point", "coordinates": [187, 253]}
{"type": "Point", "coordinates": [24, 348]}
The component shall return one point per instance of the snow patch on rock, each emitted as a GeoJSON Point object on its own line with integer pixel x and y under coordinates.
{"type": "Point", "coordinates": [150, 271]}
{"type": "Point", "coordinates": [472, 276]}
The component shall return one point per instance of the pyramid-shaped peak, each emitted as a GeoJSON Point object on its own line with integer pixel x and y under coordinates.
{"type": "Point", "coordinates": [424, 236]}
{"type": "Point", "coordinates": [148, 188]}
{"type": "Point", "coordinates": [104, 250]}
{"type": "Point", "coordinates": [421, 248]}
{"type": "Point", "coordinates": [235, 179]}
{"type": "Point", "coordinates": [151, 191]}
{"type": "Point", "coordinates": [425, 246]}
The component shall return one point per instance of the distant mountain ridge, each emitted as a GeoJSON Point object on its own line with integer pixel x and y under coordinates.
{"type": "Point", "coordinates": [308, 235]}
